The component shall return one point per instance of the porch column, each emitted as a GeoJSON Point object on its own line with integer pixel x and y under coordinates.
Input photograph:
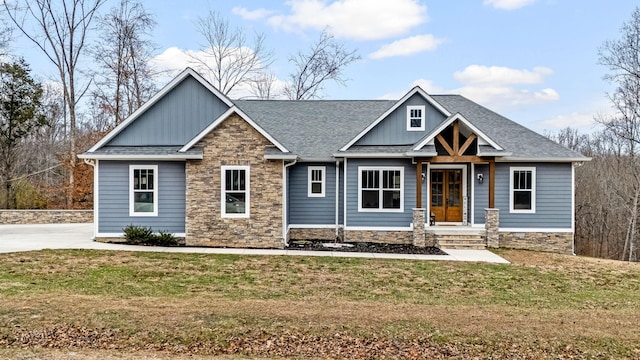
{"type": "Point", "coordinates": [491, 225]}
{"type": "Point", "coordinates": [492, 183]}
{"type": "Point", "coordinates": [418, 228]}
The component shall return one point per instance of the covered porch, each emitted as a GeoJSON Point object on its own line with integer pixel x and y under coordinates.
{"type": "Point", "coordinates": [448, 177]}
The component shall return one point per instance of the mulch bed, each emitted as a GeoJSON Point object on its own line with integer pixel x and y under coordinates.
{"type": "Point", "coordinates": [324, 245]}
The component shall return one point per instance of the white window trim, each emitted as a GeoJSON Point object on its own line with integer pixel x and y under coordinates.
{"type": "Point", "coordinates": [223, 197]}
{"type": "Point", "coordinates": [380, 169]}
{"type": "Point", "coordinates": [132, 211]}
{"type": "Point", "coordinates": [323, 182]}
{"type": "Point", "coordinates": [422, 109]}
{"type": "Point", "coordinates": [533, 190]}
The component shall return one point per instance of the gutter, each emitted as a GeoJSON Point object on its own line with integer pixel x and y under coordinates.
{"type": "Point", "coordinates": [284, 200]}
{"type": "Point", "coordinates": [337, 198]}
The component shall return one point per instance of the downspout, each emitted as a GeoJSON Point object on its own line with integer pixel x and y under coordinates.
{"type": "Point", "coordinates": [337, 199]}
{"type": "Point", "coordinates": [284, 200]}
{"type": "Point", "coordinates": [94, 163]}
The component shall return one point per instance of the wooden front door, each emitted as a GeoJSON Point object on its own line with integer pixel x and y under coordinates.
{"type": "Point", "coordinates": [446, 194]}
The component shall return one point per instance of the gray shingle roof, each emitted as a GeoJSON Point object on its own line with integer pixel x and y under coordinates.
{"type": "Point", "coordinates": [314, 129]}
{"type": "Point", "coordinates": [317, 129]}
{"type": "Point", "coordinates": [511, 136]}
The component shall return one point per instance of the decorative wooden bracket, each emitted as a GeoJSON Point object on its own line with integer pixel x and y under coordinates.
{"type": "Point", "coordinates": [456, 150]}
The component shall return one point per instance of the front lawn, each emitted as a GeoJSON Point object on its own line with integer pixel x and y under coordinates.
{"type": "Point", "coordinates": [95, 302]}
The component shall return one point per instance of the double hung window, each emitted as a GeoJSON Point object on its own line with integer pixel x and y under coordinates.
{"type": "Point", "coordinates": [522, 194]}
{"type": "Point", "coordinates": [143, 190]}
{"type": "Point", "coordinates": [380, 189]}
{"type": "Point", "coordinates": [235, 191]}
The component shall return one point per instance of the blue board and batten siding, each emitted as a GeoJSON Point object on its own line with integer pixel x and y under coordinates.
{"type": "Point", "coordinates": [305, 210]}
{"type": "Point", "coordinates": [181, 114]}
{"type": "Point", "coordinates": [113, 202]}
{"type": "Point", "coordinates": [393, 129]}
{"type": "Point", "coordinates": [380, 219]}
{"type": "Point", "coordinates": [553, 197]}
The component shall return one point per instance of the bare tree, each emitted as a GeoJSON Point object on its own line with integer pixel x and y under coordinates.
{"type": "Point", "coordinates": [325, 61]}
{"type": "Point", "coordinates": [228, 58]}
{"type": "Point", "coordinates": [125, 80]}
{"type": "Point", "coordinates": [262, 85]}
{"type": "Point", "coordinates": [5, 34]}
{"type": "Point", "coordinates": [59, 28]}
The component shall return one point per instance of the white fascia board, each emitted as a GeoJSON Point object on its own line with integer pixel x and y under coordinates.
{"type": "Point", "coordinates": [494, 154]}
{"type": "Point", "coordinates": [159, 95]}
{"type": "Point", "coordinates": [171, 157]}
{"type": "Point", "coordinates": [449, 121]}
{"type": "Point", "coordinates": [421, 154]}
{"type": "Point", "coordinates": [281, 157]}
{"type": "Point", "coordinates": [370, 155]}
{"type": "Point", "coordinates": [223, 117]}
{"type": "Point", "coordinates": [542, 159]}
{"type": "Point", "coordinates": [412, 92]}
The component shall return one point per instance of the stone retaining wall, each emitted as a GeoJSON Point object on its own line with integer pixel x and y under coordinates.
{"type": "Point", "coordinates": [45, 216]}
{"type": "Point", "coordinates": [559, 242]}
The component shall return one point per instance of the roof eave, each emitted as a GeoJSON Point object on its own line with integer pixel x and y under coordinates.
{"type": "Point", "coordinates": [542, 159]}
{"type": "Point", "coordinates": [281, 157]}
{"type": "Point", "coordinates": [168, 157]}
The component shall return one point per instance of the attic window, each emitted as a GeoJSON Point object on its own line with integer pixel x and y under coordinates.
{"type": "Point", "coordinates": [415, 118]}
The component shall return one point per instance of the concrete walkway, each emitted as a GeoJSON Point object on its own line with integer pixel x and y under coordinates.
{"type": "Point", "coordinates": [17, 238]}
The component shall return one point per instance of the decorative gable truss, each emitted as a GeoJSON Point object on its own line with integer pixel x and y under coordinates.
{"type": "Point", "coordinates": [449, 135]}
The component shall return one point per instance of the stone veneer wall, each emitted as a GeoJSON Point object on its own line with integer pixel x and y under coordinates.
{"type": "Point", "coordinates": [45, 216]}
{"type": "Point", "coordinates": [559, 242]}
{"type": "Point", "coordinates": [314, 234]}
{"type": "Point", "coordinates": [375, 236]}
{"type": "Point", "coordinates": [234, 142]}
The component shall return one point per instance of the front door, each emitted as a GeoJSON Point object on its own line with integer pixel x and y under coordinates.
{"type": "Point", "coordinates": [446, 194]}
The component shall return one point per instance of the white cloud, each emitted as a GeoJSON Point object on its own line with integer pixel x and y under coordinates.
{"type": "Point", "coordinates": [173, 60]}
{"type": "Point", "coordinates": [508, 4]}
{"type": "Point", "coordinates": [499, 75]}
{"type": "Point", "coordinates": [505, 97]}
{"type": "Point", "coordinates": [251, 14]}
{"type": "Point", "coordinates": [407, 46]}
{"type": "Point", "coordinates": [583, 120]}
{"type": "Point", "coordinates": [353, 19]}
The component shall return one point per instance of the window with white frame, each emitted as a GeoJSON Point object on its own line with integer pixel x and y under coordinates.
{"type": "Point", "coordinates": [522, 194]}
{"type": "Point", "coordinates": [381, 189]}
{"type": "Point", "coordinates": [143, 190]}
{"type": "Point", "coordinates": [316, 181]}
{"type": "Point", "coordinates": [235, 191]}
{"type": "Point", "coordinates": [415, 118]}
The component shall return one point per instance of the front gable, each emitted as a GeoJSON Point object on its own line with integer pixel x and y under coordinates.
{"type": "Point", "coordinates": [178, 112]}
{"type": "Point", "coordinates": [409, 120]}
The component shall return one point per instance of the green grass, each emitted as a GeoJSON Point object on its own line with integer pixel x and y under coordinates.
{"type": "Point", "coordinates": [549, 303]}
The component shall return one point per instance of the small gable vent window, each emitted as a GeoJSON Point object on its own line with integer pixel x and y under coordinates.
{"type": "Point", "coordinates": [415, 118]}
{"type": "Point", "coordinates": [316, 181]}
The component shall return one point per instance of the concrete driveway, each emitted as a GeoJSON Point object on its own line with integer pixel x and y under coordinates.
{"type": "Point", "coordinates": [16, 238]}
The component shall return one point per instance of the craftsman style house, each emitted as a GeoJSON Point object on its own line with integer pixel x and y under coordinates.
{"type": "Point", "coordinates": [426, 169]}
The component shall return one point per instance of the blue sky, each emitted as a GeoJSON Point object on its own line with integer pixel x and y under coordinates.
{"type": "Point", "coordinates": [534, 61]}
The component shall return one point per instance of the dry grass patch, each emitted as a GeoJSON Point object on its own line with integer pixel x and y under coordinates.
{"type": "Point", "coordinates": [542, 306]}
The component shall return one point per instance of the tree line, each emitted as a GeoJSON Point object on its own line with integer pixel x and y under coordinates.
{"type": "Point", "coordinates": [104, 74]}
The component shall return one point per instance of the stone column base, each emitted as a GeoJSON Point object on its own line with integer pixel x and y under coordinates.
{"type": "Point", "coordinates": [418, 228]}
{"type": "Point", "coordinates": [491, 225]}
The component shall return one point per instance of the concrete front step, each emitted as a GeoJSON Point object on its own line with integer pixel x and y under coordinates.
{"type": "Point", "coordinates": [461, 242]}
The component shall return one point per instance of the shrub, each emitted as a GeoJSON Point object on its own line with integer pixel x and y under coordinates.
{"type": "Point", "coordinates": [143, 235]}
{"type": "Point", "coordinates": [137, 235]}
